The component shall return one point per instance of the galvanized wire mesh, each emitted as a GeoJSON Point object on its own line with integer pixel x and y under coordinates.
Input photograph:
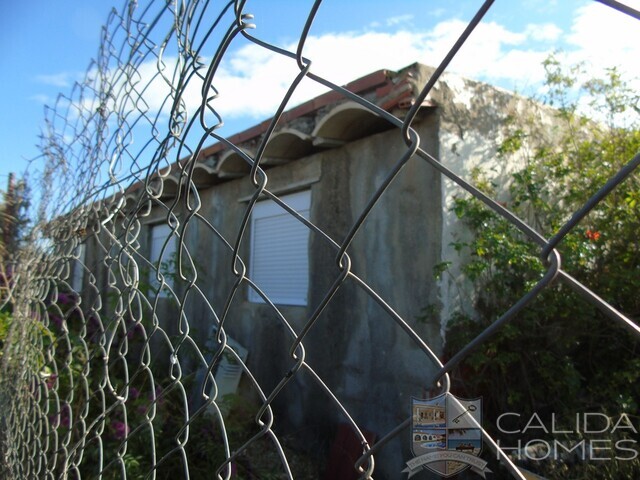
{"type": "Point", "coordinates": [96, 380]}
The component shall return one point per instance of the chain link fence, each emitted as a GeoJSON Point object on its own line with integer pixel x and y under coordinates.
{"type": "Point", "coordinates": [127, 355]}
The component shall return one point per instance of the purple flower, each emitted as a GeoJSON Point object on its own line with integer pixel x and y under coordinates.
{"type": "Point", "coordinates": [65, 298]}
{"type": "Point", "coordinates": [120, 429]}
{"type": "Point", "coordinates": [133, 332]}
{"type": "Point", "coordinates": [65, 415]}
{"type": "Point", "coordinates": [133, 393]}
{"type": "Point", "coordinates": [157, 395]}
{"type": "Point", "coordinates": [56, 320]}
{"type": "Point", "coordinates": [94, 328]}
{"type": "Point", "coordinates": [61, 419]}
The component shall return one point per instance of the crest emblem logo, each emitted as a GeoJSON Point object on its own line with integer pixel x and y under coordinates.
{"type": "Point", "coordinates": [446, 436]}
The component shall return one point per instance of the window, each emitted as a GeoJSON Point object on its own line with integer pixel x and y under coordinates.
{"type": "Point", "coordinates": [161, 235]}
{"type": "Point", "coordinates": [77, 275]}
{"type": "Point", "coordinates": [279, 257]}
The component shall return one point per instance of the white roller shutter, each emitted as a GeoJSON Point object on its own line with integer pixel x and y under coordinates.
{"type": "Point", "coordinates": [279, 259]}
{"type": "Point", "coordinates": [77, 276]}
{"type": "Point", "coordinates": [159, 236]}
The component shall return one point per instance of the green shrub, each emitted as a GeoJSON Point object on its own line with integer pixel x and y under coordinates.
{"type": "Point", "coordinates": [560, 355]}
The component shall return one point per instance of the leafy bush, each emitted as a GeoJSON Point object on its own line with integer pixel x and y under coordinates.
{"type": "Point", "coordinates": [560, 355]}
{"type": "Point", "coordinates": [110, 416]}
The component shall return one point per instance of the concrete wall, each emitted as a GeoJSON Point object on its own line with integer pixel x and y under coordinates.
{"type": "Point", "coordinates": [474, 119]}
{"type": "Point", "coordinates": [358, 350]}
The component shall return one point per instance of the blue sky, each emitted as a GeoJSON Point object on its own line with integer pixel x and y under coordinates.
{"type": "Point", "coordinates": [46, 45]}
{"type": "Point", "coordinates": [41, 43]}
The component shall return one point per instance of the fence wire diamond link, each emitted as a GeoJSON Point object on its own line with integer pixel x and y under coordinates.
{"type": "Point", "coordinates": [136, 348]}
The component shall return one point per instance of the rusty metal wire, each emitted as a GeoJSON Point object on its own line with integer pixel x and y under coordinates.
{"type": "Point", "coordinates": [95, 382]}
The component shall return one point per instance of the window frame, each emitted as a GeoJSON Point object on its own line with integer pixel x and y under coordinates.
{"type": "Point", "coordinates": [77, 272]}
{"type": "Point", "coordinates": [165, 248]}
{"type": "Point", "coordinates": [299, 201]}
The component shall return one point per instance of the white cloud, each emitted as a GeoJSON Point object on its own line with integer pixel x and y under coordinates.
{"type": "Point", "coordinates": [547, 32]}
{"type": "Point", "coordinates": [604, 37]}
{"type": "Point", "coordinates": [61, 80]}
{"type": "Point", "coordinates": [252, 81]}
{"type": "Point", "coordinates": [41, 98]}
{"type": "Point", "coordinates": [400, 19]}
{"type": "Point", "coordinates": [540, 6]}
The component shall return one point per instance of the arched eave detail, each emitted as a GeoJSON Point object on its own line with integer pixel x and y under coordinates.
{"type": "Point", "coordinates": [203, 176]}
{"type": "Point", "coordinates": [169, 187]}
{"type": "Point", "coordinates": [233, 165]}
{"type": "Point", "coordinates": [286, 145]}
{"type": "Point", "coordinates": [347, 122]}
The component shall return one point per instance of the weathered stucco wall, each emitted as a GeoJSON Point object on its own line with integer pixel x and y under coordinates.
{"type": "Point", "coordinates": [358, 350]}
{"type": "Point", "coordinates": [474, 120]}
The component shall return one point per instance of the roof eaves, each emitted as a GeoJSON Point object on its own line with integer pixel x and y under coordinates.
{"type": "Point", "coordinates": [368, 82]}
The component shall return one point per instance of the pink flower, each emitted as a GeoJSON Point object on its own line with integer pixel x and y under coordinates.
{"type": "Point", "coordinates": [51, 381]}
